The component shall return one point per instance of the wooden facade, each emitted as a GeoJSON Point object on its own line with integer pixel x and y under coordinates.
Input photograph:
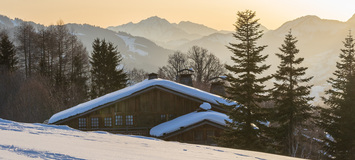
{"type": "Point", "coordinates": [144, 109]}
{"type": "Point", "coordinates": [136, 114]}
{"type": "Point", "coordinates": [201, 133]}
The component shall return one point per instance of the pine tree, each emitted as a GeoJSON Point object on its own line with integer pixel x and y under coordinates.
{"type": "Point", "coordinates": [246, 129]}
{"type": "Point", "coordinates": [105, 75]}
{"type": "Point", "coordinates": [8, 58]}
{"type": "Point", "coordinates": [291, 99]}
{"type": "Point", "coordinates": [338, 121]}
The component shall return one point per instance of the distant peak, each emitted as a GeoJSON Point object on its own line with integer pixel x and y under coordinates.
{"type": "Point", "coordinates": [309, 17]}
{"type": "Point", "coordinates": [182, 22]}
{"type": "Point", "coordinates": [304, 19]}
{"type": "Point", "coordinates": [155, 18]}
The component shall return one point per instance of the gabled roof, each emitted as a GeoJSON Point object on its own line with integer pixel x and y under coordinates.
{"type": "Point", "coordinates": [189, 120]}
{"type": "Point", "coordinates": [128, 91]}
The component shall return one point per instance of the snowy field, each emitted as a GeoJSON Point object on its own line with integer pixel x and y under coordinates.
{"type": "Point", "coordinates": [39, 141]}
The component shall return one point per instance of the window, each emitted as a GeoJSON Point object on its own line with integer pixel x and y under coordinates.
{"type": "Point", "coordinates": [171, 116]}
{"type": "Point", "coordinates": [163, 117]}
{"type": "Point", "coordinates": [108, 121]}
{"type": "Point", "coordinates": [129, 120]}
{"type": "Point", "coordinates": [94, 123]}
{"type": "Point", "coordinates": [119, 120]}
{"type": "Point", "coordinates": [82, 122]}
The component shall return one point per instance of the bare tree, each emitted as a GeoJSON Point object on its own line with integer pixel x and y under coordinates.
{"type": "Point", "coordinates": [205, 64]}
{"type": "Point", "coordinates": [136, 75]}
{"type": "Point", "coordinates": [26, 35]}
{"type": "Point", "coordinates": [176, 62]}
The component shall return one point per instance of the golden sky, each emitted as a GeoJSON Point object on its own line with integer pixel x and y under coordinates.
{"type": "Point", "coordinates": [218, 14]}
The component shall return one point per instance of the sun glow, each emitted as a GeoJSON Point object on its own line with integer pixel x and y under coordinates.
{"type": "Point", "coordinates": [216, 14]}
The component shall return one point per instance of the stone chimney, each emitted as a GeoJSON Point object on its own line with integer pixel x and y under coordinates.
{"type": "Point", "coordinates": [152, 76]}
{"type": "Point", "coordinates": [185, 77]}
{"type": "Point", "coordinates": [217, 86]}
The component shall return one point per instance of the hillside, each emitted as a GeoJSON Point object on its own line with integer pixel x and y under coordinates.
{"type": "Point", "coordinates": [163, 32]}
{"type": "Point", "coordinates": [137, 52]}
{"type": "Point", "coordinates": [40, 141]}
{"type": "Point", "coordinates": [147, 44]}
{"type": "Point", "coordinates": [319, 41]}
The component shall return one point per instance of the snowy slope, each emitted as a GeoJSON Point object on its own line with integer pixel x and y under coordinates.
{"type": "Point", "coordinates": [38, 141]}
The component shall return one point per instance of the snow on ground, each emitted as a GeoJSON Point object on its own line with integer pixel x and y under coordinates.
{"type": "Point", "coordinates": [39, 141]}
{"type": "Point", "coordinates": [130, 42]}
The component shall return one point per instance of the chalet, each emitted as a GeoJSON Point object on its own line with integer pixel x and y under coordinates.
{"type": "Point", "coordinates": [154, 107]}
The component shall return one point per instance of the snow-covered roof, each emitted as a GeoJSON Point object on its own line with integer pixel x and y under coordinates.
{"type": "Point", "coordinates": [188, 120]}
{"type": "Point", "coordinates": [177, 87]}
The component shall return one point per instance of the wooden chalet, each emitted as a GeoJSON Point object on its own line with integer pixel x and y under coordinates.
{"type": "Point", "coordinates": [139, 108]}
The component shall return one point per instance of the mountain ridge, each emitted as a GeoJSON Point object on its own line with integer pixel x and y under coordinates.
{"type": "Point", "coordinates": [319, 42]}
{"type": "Point", "coordinates": [138, 52]}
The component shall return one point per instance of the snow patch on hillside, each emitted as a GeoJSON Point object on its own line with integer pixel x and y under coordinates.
{"type": "Point", "coordinates": [79, 34]}
{"type": "Point", "coordinates": [14, 22]}
{"type": "Point", "coordinates": [130, 42]}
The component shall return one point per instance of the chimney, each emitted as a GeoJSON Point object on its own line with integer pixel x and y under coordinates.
{"type": "Point", "coordinates": [152, 76]}
{"type": "Point", "coordinates": [217, 87]}
{"type": "Point", "coordinates": [185, 77]}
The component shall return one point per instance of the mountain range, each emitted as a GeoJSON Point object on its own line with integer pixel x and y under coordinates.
{"type": "Point", "coordinates": [148, 43]}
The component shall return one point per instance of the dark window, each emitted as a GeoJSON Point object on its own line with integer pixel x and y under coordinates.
{"type": "Point", "coordinates": [119, 120]}
{"type": "Point", "coordinates": [129, 120]}
{"type": "Point", "coordinates": [108, 121]}
{"type": "Point", "coordinates": [94, 123]}
{"type": "Point", "coordinates": [82, 122]}
{"type": "Point", "coordinates": [171, 116]}
{"type": "Point", "coordinates": [163, 117]}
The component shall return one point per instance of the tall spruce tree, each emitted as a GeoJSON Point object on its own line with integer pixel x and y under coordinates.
{"type": "Point", "coordinates": [338, 120]}
{"type": "Point", "coordinates": [291, 99]}
{"type": "Point", "coordinates": [8, 59]}
{"type": "Point", "coordinates": [105, 75]}
{"type": "Point", "coordinates": [246, 87]}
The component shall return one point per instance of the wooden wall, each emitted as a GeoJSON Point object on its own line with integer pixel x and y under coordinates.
{"type": "Point", "coordinates": [148, 109]}
{"type": "Point", "coordinates": [200, 135]}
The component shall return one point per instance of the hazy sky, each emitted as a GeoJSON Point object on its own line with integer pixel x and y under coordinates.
{"type": "Point", "coordinates": [218, 14]}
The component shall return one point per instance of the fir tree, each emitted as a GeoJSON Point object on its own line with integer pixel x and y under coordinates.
{"type": "Point", "coordinates": [246, 129]}
{"type": "Point", "coordinates": [338, 120]}
{"type": "Point", "coordinates": [291, 99]}
{"type": "Point", "coordinates": [105, 75]}
{"type": "Point", "coordinates": [8, 58]}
